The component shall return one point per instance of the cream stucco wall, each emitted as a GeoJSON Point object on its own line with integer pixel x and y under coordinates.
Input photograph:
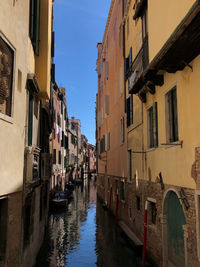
{"type": "Point", "coordinates": [12, 130]}
{"type": "Point", "coordinates": [163, 18]}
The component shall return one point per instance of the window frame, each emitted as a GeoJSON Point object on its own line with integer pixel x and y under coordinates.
{"type": "Point", "coordinates": [152, 126]}
{"type": "Point", "coordinates": [4, 116]}
{"type": "Point", "coordinates": [122, 130]}
{"type": "Point", "coordinates": [171, 115]}
{"type": "Point", "coordinates": [130, 165]}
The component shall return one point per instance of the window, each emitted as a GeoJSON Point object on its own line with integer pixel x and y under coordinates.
{"type": "Point", "coordinates": [107, 142]}
{"type": "Point", "coordinates": [58, 119]}
{"type": "Point", "coordinates": [138, 202]}
{"type": "Point", "coordinates": [61, 107]}
{"type": "Point", "coordinates": [153, 212]}
{"type": "Point", "coordinates": [34, 24]}
{"type": "Point", "coordinates": [6, 77]}
{"type": "Point", "coordinates": [171, 116]}
{"type": "Point", "coordinates": [107, 105]}
{"type": "Point", "coordinates": [3, 227]}
{"type": "Point", "coordinates": [127, 28]}
{"type": "Point", "coordinates": [130, 164]}
{"type": "Point", "coordinates": [122, 130]}
{"type": "Point", "coordinates": [122, 191]}
{"type": "Point", "coordinates": [152, 126]}
{"type": "Point", "coordinates": [30, 119]}
{"type": "Point", "coordinates": [59, 156]}
{"type": "Point", "coordinates": [106, 69]}
{"type": "Point", "coordinates": [54, 156]}
{"type": "Point", "coordinates": [129, 110]}
{"type": "Point", "coordinates": [145, 24]}
{"type": "Point", "coordinates": [102, 145]}
{"type": "Point", "coordinates": [29, 210]}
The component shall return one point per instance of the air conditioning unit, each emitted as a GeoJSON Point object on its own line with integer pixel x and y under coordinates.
{"type": "Point", "coordinates": [32, 159]}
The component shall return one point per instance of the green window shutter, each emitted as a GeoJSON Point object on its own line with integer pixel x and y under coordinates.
{"type": "Point", "coordinates": [59, 157]}
{"type": "Point", "coordinates": [131, 108]}
{"type": "Point", "coordinates": [122, 191]}
{"type": "Point", "coordinates": [150, 127]}
{"type": "Point", "coordinates": [175, 115]}
{"type": "Point", "coordinates": [54, 156]}
{"type": "Point", "coordinates": [155, 125]}
{"type": "Point", "coordinates": [30, 120]}
{"type": "Point", "coordinates": [130, 57]}
{"type": "Point", "coordinates": [31, 23]}
{"type": "Point", "coordinates": [37, 27]}
{"type": "Point", "coordinates": [170, 116]}
{"type": "Point", "coordinates": [128, 112]}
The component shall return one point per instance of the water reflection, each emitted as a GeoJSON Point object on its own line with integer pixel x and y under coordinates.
{"type": "Point", "coordinates": [84, 235]}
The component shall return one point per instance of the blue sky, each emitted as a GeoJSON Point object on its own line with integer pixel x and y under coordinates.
{"type": "Point", "coordinates": [79, 25]}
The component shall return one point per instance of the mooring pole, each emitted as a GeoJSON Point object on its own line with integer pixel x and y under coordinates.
{"type": "Point", "coordinates": [117, 206]}
{"type": "Point", "coordinates": [110, 204]}
{"type": "Point", "coordinates": [145, 234]}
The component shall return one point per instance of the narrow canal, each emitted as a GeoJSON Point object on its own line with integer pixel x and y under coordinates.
{"type": "Point", "coordinates": [84, 235]}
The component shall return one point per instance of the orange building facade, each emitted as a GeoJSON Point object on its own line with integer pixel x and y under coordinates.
{"type": "Point", "coordinates": [111, 134]}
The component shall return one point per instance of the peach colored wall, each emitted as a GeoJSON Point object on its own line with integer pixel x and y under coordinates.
{"type": "Point", "coordinates": [112, 51]}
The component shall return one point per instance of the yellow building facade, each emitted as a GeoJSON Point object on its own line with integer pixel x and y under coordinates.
{"type": "Point", "coordinates": [25, 75]}
{"type": "Point", "coordinates": [162, 76]}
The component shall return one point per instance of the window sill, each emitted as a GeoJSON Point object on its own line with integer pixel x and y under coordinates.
{"type": "Point", "coordinates": [172, 144]}
{"type": "Point", "coordinates": [6, 118]}
{"type": "Point", "coordinates": [150, 149]}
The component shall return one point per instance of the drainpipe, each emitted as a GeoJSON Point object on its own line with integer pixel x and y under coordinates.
{"type": "Point", "coordinates": [145, 234]}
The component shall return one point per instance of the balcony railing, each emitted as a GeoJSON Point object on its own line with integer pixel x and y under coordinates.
{"type": "Point", "coordinates": [139, 65]}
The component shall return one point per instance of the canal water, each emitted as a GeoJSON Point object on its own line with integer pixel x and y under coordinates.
{"type": "Point", "coordinates": [83, 235]}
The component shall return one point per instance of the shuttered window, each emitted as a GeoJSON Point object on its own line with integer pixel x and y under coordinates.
{"type": "Point", "coordinates": [171, 116]}
{"type": "Point", "coordinates": [107, 105]}
{"type": "Point", "coordinates": [30, 119]}
{"type": "Point", "coordinates": [152, 126]}
{"type": "Point", "coordinates": [59, 156]}
{"type": "Point", "coordinates": [6, 77]}
{"type": "Point", "coordinates": [122, 130]}
{"type": "Point", "coordinates": [129, 110]}
{"type": "Point", "coordinates": [66, 142]}
{"type": "Point", "coordinates": [54, 156]}
{"type": "Point", "coordinates": [34, 28]}
{"type": "Point", "coordinates": [107, 141]}
{"type": "Point", "coordinates": [122, 191]}
{"type": "Point", "coordinates": [130, 165]}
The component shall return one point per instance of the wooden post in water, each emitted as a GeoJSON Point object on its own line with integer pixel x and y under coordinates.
{"type": "Point", "coordinates": [145, 234]}
{"type": "Point", "coordinates": [117, 207]}
{"type": "Point", "coordinates": [110, 203]}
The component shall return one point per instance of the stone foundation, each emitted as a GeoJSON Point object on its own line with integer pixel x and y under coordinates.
{"type": "Point", "coordinates": [131, 211]}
